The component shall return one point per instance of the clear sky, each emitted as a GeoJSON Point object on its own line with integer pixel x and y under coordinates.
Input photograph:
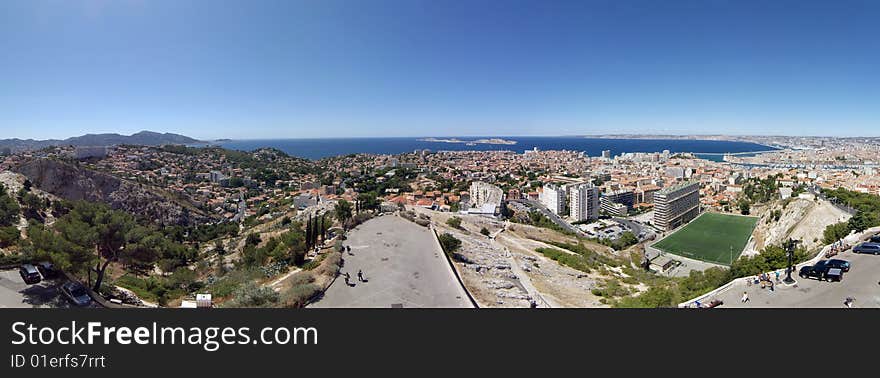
{"type": "Point", "coordinates": [324, 68]}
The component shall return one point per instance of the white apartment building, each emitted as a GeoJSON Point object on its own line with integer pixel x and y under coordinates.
{"type": "Point", "coordinates": [553, 197]}
{"type": "Point", "coordinates": [584, 202]}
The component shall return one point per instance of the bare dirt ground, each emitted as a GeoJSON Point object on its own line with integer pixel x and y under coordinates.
{"type": "Point", "coordinates": [507, 272]}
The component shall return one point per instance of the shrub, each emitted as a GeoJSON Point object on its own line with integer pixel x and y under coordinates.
{"type": "Point", "coordinates": [577, 262]}
{"type": "Point", "coordinates": [252, 295]}
{"type": "Point", "coordinates": [454, 222]}
{"type": "Point", "coordinates": [302, 279]}
{"type": "Point", "coordinates": [484, 231]}
{"type": "Point", "coordinates": [300, 295]}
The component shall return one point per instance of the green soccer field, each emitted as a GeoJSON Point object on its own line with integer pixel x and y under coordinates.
{"type": "Point", "coordinates": [712, 237]}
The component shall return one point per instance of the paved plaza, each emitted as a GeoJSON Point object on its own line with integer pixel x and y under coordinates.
{"type": "Point", "coordinates": [862, 282]}
{"type": "Point", "coordinates": [404, 267]}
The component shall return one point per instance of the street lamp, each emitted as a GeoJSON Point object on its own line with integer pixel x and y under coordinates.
{"type": "Point", "coordinates": [789, 248]}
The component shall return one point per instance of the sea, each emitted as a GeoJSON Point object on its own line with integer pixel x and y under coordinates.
{"type": "Point", "coordinates": [315, 149]}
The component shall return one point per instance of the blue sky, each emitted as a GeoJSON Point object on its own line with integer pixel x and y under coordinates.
{"type": "Point", "coordinates": [324, 68]}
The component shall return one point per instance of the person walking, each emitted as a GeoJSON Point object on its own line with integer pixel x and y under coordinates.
{"type": "Point", "coordinates": [360, 275]}
{"type": "Point", "coordinates": [745, 297]}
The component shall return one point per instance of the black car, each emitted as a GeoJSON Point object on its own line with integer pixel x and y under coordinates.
{"type": "Point", "coordinates": [875, 239]}
{"type": "Point", "coordinates": [47, 269]}
{"type": "Point", "coordinates": [29, 274]}
{"type": "Point", "coordinates": [817, 271]}
{"type": "Point", "coordinates": [76, 293]}
{"type": "Point", "coordinates": [843, 265]}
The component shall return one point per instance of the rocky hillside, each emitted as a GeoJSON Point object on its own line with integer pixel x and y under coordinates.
{"type": "Point", "coordinates": [74, 183]}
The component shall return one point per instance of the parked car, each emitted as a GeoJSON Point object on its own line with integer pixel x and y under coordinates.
{"type": "Point", "coordinates": [816, 271]}
{"type": "Point", "coordinates": [872, 248]}
{"type": "Point", "coordinates": [843, 265]}
{"type": "Point", "coordinates": [875, 239]}
{"type": "Point", "coordinates": [76, 293]}
{"type": "Point", "coordinates": [47, 269]}
{"type": "Point", "coordinates": [29, 274]}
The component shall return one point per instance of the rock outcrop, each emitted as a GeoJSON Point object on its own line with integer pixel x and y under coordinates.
{"type": "Point", "coordinates": [75, 183]}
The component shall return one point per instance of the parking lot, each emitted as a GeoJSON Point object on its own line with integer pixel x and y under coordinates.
{"type": "Point", "coordinates": [862, 282]}
{"type": "Point", "coordinates": [14, 293]}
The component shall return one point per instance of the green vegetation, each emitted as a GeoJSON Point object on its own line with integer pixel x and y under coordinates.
{"type": "Point", "coordinates": [289, 248]}
{"type": "Point", "coordinates": [626, 240]}
{"type": "Point", "coordinates": [570, 260]}
{"type": "Point", "coordinates": [449, 243]}
{"type": "Point", "coordinates": [593, 258]}
{"type": "Point", "coordinates": [537, 219]}
{"type": "Point", "coordinates": [9, 236]}
{"type": "Point", "coordinates": [867, 215]}
{"type": "Point", "coordinates": [454, 222]}
{"type": "Point", "coordinates": [757, 190]}
{"type": "Point", "coordinates": [770, 258]}
{"type": "Point", "coordinates": [252, 295]}
{"type": "Point", "coordinates": [484, 231]}
{"type": "Point", "coordinates": [9, 208]}
{"type": "Point", "coordinates": [343, 212]}
{"type": "Point", "coordinates": [712, 237]}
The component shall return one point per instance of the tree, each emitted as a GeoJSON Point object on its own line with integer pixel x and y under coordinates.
{"type": "Point", "coordinates": [449, 242]}
{"type": "Point", "coordinates": [343, 211]}
{"type": "Point", "coordinates": [368, 201]}
{"type": "Point", "coordinates": [862, 220]}
{"type": "Point", "coordinates": [835, 232]}
{"type": "Point", "coordinates": [98, 228]}
{"type": "Point", "coordinates": [744, 207]}
{"type": "Point", "coordinates": [9, 209]}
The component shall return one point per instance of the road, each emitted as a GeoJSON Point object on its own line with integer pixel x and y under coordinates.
{"type": "Point", "coordinates": [553, 217]}
{"type": "Point", "coordinates": [14, 293]}
{"type": "Point", "coordinates": [404, 267]}
{"type": "Point", "coordinates": [862, 282]}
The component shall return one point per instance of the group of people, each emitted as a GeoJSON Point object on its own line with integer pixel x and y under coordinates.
{"type": "Point", "coordinates": [360, 275]}
{"type": "Point", "coordinates": [765, 280]}
{"type": "Point", "coordinates": [347, 275]}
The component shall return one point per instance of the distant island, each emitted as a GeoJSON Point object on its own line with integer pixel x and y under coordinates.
{"type": "Point", "coordinates": [470, 142]}
{"type": "Point", "coordinates": [143, 138]}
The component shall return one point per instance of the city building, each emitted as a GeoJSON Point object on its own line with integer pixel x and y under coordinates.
{"type": "Point", "coordinates": [606, 154]}
{"type": "Point", "coordinates": [612, 208]}
{"type": "Point", "coordinates": [622, 196]}
{"type": "Point", "coordinates": [217, 176]}
{"type": "Point", "coordinates": [553, 197]}
{"type": "Point", "coordinates": [676, 205]}
{"type": "Point", "coordinates": [583, 202]}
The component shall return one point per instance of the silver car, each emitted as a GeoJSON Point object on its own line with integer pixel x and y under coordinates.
{"type": "Point", "coordinates": [76, 293]}
{"type": "Point", "coordinates": [872, 248]}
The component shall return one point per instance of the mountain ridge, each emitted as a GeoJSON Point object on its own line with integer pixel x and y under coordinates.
{"type": "Point", "coordinates": [144, 138]}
